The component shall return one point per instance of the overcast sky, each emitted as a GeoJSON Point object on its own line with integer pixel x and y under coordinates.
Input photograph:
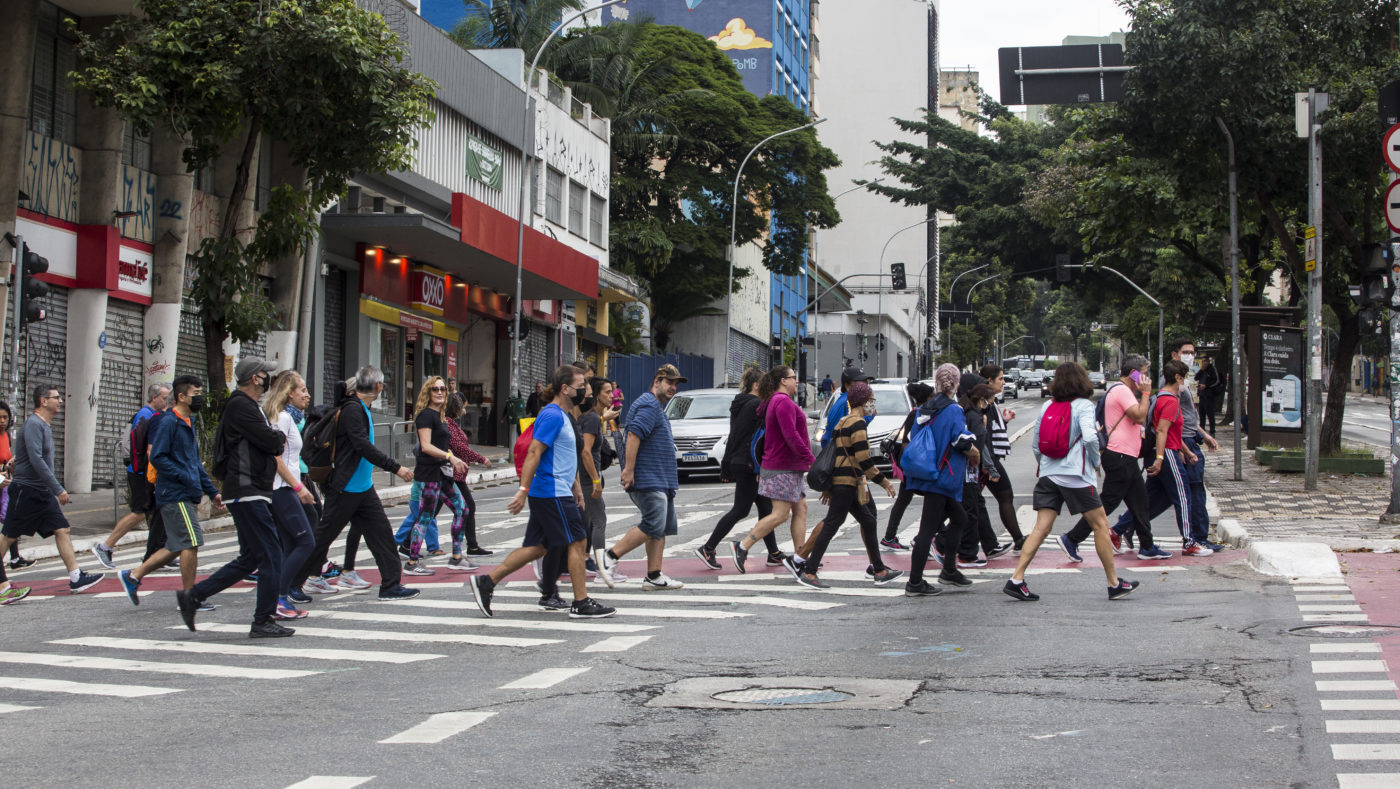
{"type": "Point", "coordinates": [971, 31]}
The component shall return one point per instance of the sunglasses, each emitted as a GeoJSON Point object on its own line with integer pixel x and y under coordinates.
{"type": "Point", "coordinates": [437, 389]}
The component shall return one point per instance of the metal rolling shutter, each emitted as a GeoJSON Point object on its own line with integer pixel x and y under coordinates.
{"type": "Point", "coordinates": [332, 339]}
{"type": "Point", "coordinates": [121, 395]}
{"type": "Point", "coordinates": [190, 356]}
{"type": "Point", "coordinates": [742, 350]}
{"type": "Point", "coordinates": [534, 358]}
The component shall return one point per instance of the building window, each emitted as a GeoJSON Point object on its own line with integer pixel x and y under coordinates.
{"type": "Point", "coordinates": [204, 179]}
{"type": "Point", "coordinates": [263, 194]}
{"type": "Point", "coordinates": [578, 204]}
{"type": "Point", "coordinates": [53, 107]}
{"type": "Point", "coordinates": [136, 148]}
{"type": "Point", "coordinates": [554, 196]}
{"type": "Point", "coordinates": [595, 221]}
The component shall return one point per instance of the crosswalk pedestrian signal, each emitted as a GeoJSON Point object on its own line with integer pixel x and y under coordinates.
{"type": "Point", "coordinates": [1062, 273]}
{"type": "Point", "coordinates": [1376, 286]}
{"type": "Point", "coordinates": [897, 280]}
{"type": "Point", "coordinates": [32, 289]}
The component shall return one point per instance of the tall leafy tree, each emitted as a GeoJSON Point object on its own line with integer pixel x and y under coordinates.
{"type": "Point", "coordinates": [510, 24]}
{"type": "Point", "coordinates": [323, 78]}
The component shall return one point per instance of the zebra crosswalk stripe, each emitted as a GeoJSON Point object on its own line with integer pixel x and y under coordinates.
{"type": "Point", "coordinates": [244, 650]}
{"type": "Point", "coordinates": [391, 635]}
{"type": "Point", "coordinates": [82, 688]}
{"type": "Point", "coordinates": [154, 667]}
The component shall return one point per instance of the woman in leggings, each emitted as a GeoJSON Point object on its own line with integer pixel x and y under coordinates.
{"type": "Point", "coordinates": [919, 393]}
{"type": "Point", "coordinates": [1000, 486]}
{"type": "Point", "coordinates": [954, 448]}
{"type": "Point", "coordinates": [461, 447]}
{"type": "Point", "coordinates": [738, 466]}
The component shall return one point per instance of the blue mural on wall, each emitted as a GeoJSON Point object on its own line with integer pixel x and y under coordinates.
{"type": "Point", "coordinates": [742, 29]}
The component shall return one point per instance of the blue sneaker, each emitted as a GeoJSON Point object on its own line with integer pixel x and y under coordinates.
{"type": "Point", "coordinates": [296, 595]}
{"type": "Point", "coordinates": [1071, 550]}
{"type": "Point", "coordinates": [130, 585]}
{"type": "Point", "coordinates": [1153, 553]}
{"type": "Point", "coordinates": [1214, 546]}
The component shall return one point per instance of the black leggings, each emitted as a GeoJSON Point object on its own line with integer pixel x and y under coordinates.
{"type": "Point", "coordinates": [745, 497]}
{"type": "Point", "coordinates": [468, 522]}
{"type": "Point", "coordinates": [844, 501]}
{"type": "Point", "coordinates": [979, 525]}
{"type": "Point", "coordinates": [901, 503]}
{"type": "Point", "coordinates": [1006, 504]}
{"type": "Point", "coordinates": [937, 509]}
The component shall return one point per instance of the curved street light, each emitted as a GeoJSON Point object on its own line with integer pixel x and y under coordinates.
{"type": "Point", "coordinates": [880, 300]}
{"type": "Point", "coordinates": [816, 303]}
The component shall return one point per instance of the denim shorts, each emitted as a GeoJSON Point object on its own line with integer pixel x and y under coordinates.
{"type": "Point", "coordinates": [658, 513]}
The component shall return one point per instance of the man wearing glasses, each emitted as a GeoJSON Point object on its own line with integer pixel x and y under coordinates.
{"type": "Point", "coordinates": [36, 494]}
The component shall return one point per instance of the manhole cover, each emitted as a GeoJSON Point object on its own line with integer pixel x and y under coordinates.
{"type": "Point", "coordinates": [781, 696]}
{"type": "Point", "coordinates": [1342, 631]}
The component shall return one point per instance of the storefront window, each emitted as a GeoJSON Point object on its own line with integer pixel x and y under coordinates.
{"type": "Point", "coordinates": [384, 345]}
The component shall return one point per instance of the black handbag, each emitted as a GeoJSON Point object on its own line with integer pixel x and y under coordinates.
{"type": "Point", "coordinates": [823, 468]}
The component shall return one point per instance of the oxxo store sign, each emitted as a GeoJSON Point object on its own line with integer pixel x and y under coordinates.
{"type": "Point", "coordinates": [428, 290]}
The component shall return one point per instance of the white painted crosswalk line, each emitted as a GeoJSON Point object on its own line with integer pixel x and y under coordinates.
{"type": "Point", "coordinates": [1370, 647]}
{"type": "Point", "coordinates": [153, 667]}
{"type": "Point", "coordinates": [683, 598]}
{"type": "Point", "coordinates": [616, 644]}
{"type": "Point", "coordinates": [1336, 607]}
{"type": "Point", "coordinates": [1347, 666]}
{"type": "Point", "coordinates": [4, 708]}
{"type": "Point", "coordinates": [1366, 752]}
{"type": "Point", "coordinates": [1361, 705]}
{"type": "Point", "coordinates": [1368, 780]}
{"type": "Point", "coordinates": [568, 625]}
{"type": "Point", "coordinates": [629, 611]}
{"type": "Point", "coordinates": [244, 650]}
{"type": "Point", "coordinates": [1345, 685]}
{"type": "Point", "coordinates": [1335, 618]}
{"type": "Point", "coordinates": [437, 728]}
{"type": "Point", "coordinates": [836, 591]}
{"type": "Point", "coordinates": [1322, 598]}
{"type": "Point", "coordinates": [1315, 588]}
{"type": "Point", "coordinates": [1363, 727]}
{"type": "Point", "coordinates": [332, 782]}
{"type": "Point", "coordinates": [82, 688]}
{"type": "Point", "coordinates": [391, 635]}
{"type": "Point", "coordinates": [544, 678]}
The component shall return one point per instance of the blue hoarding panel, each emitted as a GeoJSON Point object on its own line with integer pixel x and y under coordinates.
{"type": "Point", "coordinates": [742, 29]}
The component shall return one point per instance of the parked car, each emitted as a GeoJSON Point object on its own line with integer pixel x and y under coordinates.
{"type": "Point", "coordinates": [700, 426]}
{"type": "Point", "coordinates": [1097, 379]}
{"type": "Point", "coordinates": [891, 406]}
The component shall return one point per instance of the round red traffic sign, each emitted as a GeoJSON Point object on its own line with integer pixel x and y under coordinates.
{"type": "Point", "coordinates": [1390, 147]}
{"type": "Point", "coordinates": [1392, 207]}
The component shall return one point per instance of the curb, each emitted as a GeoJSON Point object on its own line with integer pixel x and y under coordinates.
{"type": "Point", "coordinates": [1019, 433]}
{"type": "Point", "coordinates": [1294, 560]}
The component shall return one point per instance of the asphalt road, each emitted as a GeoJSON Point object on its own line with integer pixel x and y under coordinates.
{"type": "Point", "coordinates": [1193, 681]}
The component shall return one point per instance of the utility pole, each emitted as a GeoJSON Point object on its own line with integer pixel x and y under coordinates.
{"type": "Point", "coordinates": [1236, 378]}
{"type": "Point", "coordinates": [1317, 103]}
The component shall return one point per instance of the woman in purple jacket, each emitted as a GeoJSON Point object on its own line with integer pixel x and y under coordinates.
{"type": "Point", "coordinates": [787, 454]}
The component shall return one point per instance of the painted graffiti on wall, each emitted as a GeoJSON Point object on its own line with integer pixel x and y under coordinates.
{"type": "Point", "coordinates": [138, 194]}
{"type": "Point", "coordinates": [50, 177]}
{"type": "Point", "coordinates": [205, 212]}
{"type": "Point", "coordinates": [571, 149]}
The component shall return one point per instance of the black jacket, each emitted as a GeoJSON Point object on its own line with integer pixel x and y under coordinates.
{"type": "Point", "coordinates": [251, 447]}
{"type": "Point", "coordinates": [744, 421]}
{"type": "Point", "coordinates": [352, 445]}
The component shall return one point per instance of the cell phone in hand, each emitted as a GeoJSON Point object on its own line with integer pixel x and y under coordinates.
{"type": "Point", "coordinates": [1136, 375]}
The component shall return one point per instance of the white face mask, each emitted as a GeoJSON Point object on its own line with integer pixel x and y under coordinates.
{"type": "Point", "coordinates": [1188, 358]}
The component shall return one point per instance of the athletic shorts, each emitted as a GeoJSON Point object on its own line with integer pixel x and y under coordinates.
{"type": "Point", "coordinates": [658, 513]}
{"type": "Point", "coordinates": [554, 523]}
{"type": "Point", "coordinates": [33, 511]}
{"type": "Point", "coordinates": [1049, 496]}
{"type": "Point", "coordinates": [143, 500]}
{"type": "Point", "coordinates": [182, 529]}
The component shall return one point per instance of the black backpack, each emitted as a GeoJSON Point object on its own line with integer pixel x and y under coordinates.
{"type": "Point", "coordinates": [318, 447]}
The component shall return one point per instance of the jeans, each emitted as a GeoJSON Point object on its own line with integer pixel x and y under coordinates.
{"type": "Point", "coordinates": [658, 508]}
{"type": "Point", "coordinates": [745, 498]}
{"type": "Point", "coordinates": [938, 509]}
{"type": "Point", "coordinates": [435, 494]}
{"type": "Point", "coordinates": [366, 511]}
{"type": "Point", "coordinates": [298, 539]}
{"type": "Point", "coordinates": [844, 501]}
{"type": "Point", "coordinates": [1196, 487]}
{"type": "Point", "coordinates": [595, 517]}
{"type": "Point", "coordinates": [261, 550]}
{"type": "Point", "coordinates": [1122, 483]}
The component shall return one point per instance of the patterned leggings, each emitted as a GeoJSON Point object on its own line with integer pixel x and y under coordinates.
{"type": "Point", "coordinates": [433, 496]}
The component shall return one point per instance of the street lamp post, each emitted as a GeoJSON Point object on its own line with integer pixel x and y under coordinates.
{"type": "Point", "coordinates": [816, 303]}
{"type": "Point", "coordinates": [1161, 314]}
{"type": "Point", "coordinates": [733, 224]}
{"type": "Point", "coordinates": [880, 300]}
{"type": "Point", "coordinates": [969, 295]}
{"type": "Point", "coordinates": [953, 287]}
{"type": "Point", "coordinates": [526, 179]}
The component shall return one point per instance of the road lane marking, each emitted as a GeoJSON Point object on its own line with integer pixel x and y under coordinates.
{"type": "Point", "coordinates": [678, 613]}
{"type": "Point", "coordinates": [1348, 666]}
{"type": "Point", "coordinates": [1368, 647]}
{"type": "Point", "coordinates": [82, 688]}
{"type": "Point", "coordinates": [1324, 685]}
{"type": "Point", "coordinates": [331, 782]}
{"type": "Point", "coordinates": [567, 625]}
{"type": "Point", "coordinates": [1361, 705]}
{"type": "Point", "coordinates": [1368, 780]}
{"type": "Point", "coordinates": [838, 591]}
{"type": "Point", "coordinates": [1334, 607]}
{"type": "Point", "coordinates": [616, 644]}
{"type": "Point", "coordinates": [681, 596]}
{"type": "Point", "coordinates": [1319, 598]}
{"type": "Point", "coordinates": [392, 635]}
{"type": "Point", "coordinates": [154, 667]}
{"type": "Point", "coordinates": [1367, 752]}
{"type": "Point", "coordinates": [544, 678]}
{"type": "Point", "coordinates": [438, 728]}
{"type": "Point", "coordinates": [4, 708]}
{"type": "Point", "coordinates": [1335, 618]}
{"type": "Point", "coordinates": [1363, 727]}
{"type": "Point", "coordinates": [243, 650]}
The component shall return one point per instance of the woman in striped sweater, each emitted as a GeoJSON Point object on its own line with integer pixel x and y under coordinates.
{"type": "Point", "coordinates": [849, 493]}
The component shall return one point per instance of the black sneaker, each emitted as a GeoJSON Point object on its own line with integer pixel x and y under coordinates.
{"type": "Point", "coordinates": [20, 563]}
{"type": "Point", "coordinates": [269, 629]}
{"type": "Point", "coordinates": [1020, 591]}
{"type": "Point", "coordinates": [794, 565]}
{"type": "Point", "coordinates": [398, 592]}
{"type": "Point", "coordinates": [921, 589]}
{"type": "Point", "coordinates": [739, 555]}
{"type": "Point", "coordinates": [707, 555]}
{"type": "Point", "coordinates": [588, 608]}
{"type": "Point", "coordinates": [893, 544]}
{"type": "Point", "coordinates": [775, 559]}
{"type": "Point", "coordinates": [85, 581]}
{"type": "Point", "coordinates": [869, 571]}
{"type": "Point", "coordinates": [885, 576]}
{"type": "Point", "coordinates": [188, 605]}
{"type": "Point", "coordinates": [404, 549]}
{"type": "Point", "coordinates": [477, 550]}
{"type": "Point", "coordinates": [1000, 550]}
{"type": "Point", "coordinates": [553, 603]}
{"type": "Point", "coordinates": [951, 576]}
{"type": "Point", "coordinates": [811, 581]}
{"type": "Point", "coordinates": [482, 589]}
{"type": "Point", "coordinates": [1123, 589]}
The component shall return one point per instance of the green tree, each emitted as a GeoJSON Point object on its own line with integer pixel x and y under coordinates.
{"type": "Point", "coordinates": [510, 24]}
{"type": "Point", "coordinates": [323, 78]}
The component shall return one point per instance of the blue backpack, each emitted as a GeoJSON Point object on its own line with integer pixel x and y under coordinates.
{"type": "Point", "coordinates": [929, 462]}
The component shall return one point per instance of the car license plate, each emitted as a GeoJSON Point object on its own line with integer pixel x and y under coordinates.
{"type": "Point", "coordinates": [694, 457]}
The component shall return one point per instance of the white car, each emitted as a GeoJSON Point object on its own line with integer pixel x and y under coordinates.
{"type": "Point", "coordinates": [700, 426]}
{"type": "Point", "coordinates": [892, 405]}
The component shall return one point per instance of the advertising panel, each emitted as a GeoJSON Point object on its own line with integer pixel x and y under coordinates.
{"type": "Point", "coordinates": [742, 29]}
{"type": "Point", "coordinates": [1281, 374]}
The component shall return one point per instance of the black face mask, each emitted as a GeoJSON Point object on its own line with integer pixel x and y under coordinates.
{"type": "Point", "coordinates": [580, 394]}
{"type": "Point", "coordinates": [588, 403]}
{"type": "Point", "coordinates": [196, 404]}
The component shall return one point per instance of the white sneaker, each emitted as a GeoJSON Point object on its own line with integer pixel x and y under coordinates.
{"type": "Point", "coordinates": [416, 568]}
{"type": "Point", "coordinates": [316, 585]}
{"type": "Point", "coordinates": [605, 567]}
{"type": "Point", "coordinates": [351, 581]}
{"type": "Point", "coordinates": [104, 556]}
{"type": "Point", "coordinates": [461, 565]}
{"type": "Point", "coordinates": [659, 583]}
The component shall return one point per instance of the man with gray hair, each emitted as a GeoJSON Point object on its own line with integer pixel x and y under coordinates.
{"type": "Point", "coordinates": [350, 494]}
{"type": "Point", "coordinates": [142, 500]}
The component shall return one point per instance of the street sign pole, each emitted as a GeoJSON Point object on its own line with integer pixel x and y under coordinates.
{"type": "Point", "coordinates": [16, 289]}
{"type": "Point", "coordinates": [1391, 152]}
{"type": "Point", "coordinates": [1314, 419]}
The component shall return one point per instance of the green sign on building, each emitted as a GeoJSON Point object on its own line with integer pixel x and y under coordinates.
{"type": "Point", "coordinates": [483, 162]}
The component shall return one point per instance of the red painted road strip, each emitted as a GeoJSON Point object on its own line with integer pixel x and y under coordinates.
{"type": "Point", "coordinates": [1374, 579]}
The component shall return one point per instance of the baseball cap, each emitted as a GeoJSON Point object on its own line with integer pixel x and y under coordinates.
{"type": "Point", "coordinates": [851, 374]}
{"type": "Point", "coordinates": [250, 367]}
{"type": "Point", "coordinates": [670, 373]}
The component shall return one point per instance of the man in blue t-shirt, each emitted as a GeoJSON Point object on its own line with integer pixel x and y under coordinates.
{"type": "Point", "coordinates": [649, 477]}
{"type": "Point", "coordinates": [549, 485]}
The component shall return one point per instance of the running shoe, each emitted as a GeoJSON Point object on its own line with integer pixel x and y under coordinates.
{"type": "Point", "coordinates": [188, 605]}
{"type": "Point", "coordinates": [811, 581]}
{"type": "Point", "coordinates": [350, 581]}
{"type": "Point", "coordinates": [794, 566]}
{"type": "Point", "coordinates": [104, 556]}
{"type": "Point", "coordinates": [774, 559]}
{"type": "Point", "coordinates": [1020, 591]}
{"type": "Point", "coordinates": [205, 607]}
{"type": "Point", "coordinates": [285, 610]}
{"type": "Point", "coordinates": [330, 570]}
{"type": "Point", "coordinates": [869, 571]}
{"type": "Point", "coordinates": [85, 581]}
{"type": "Point", "coordinates": [553, 603]}
{"type": "Point", "coordinates": [1123, 589]}
{"type": "Point", "coordinates": [707, 555]}
{"type": "Point", "coordinates": [461, 564]}
{"type": "Point", "coordinates": [893, 544]}
{"type": "Point", "coordinates": [477, 550]}
{"type": "Point", "coordinates": [416, 568]}
{"type": "Point", "coordinates": [588, 608]}
{"type": "Point", "coordinates": [1071, 550]}
{"type": "Point", "coordinates": [1000, 550]}
{"type": "Point", "coordinates": [921, 589]}
{"type": "Point", "coordinates": [1215, 547]}
{"type": "Point", "coordinates": [130, 585]}
{"type": "Point", "coordinates": [482, 588]}
{"type": "Point", "coordinates": [884, 577]}
{"type": "Point", "coordinates": [319, 586]}
{"type": "Point", "coordinates": [937, 557]}
{"type": "Point", "coordinates": [173, 564]}
{"type": "Point", "coordinates": [1117, 540]}
{"type": "Point", "coordinates": [739, 555]}
{"type": "Point", "coordinates": [952, 576]}
{"type": "Point", "coordinates": [972, 563]}
{"type": "Point", "coordinates": [660, 583]}
{"type": "Point", "coordinates": [269, 629]}
{"type": "Point", "coordinates": [618, 577]}
{"type": "Point", "coordinates": [605, 568]}
{"type": "Point", "coordinates": [252, 577]}
{"type": "Point", "coordinates": [296, 595]}
{"type": "Point", "coordinates": [14, 594]}
{"type": "Point", "coordinates": [590, 567]}
{"type": "Point", "coordinates": [1196, 549]}
{"type": "Point", "coordinates": [398, 592]}
{"type": "Point", "coordinates": [403, 548]}
{"type": "Point", "coordinates": [20, 563]}
{"type": "Point", "coordinates": [1153, 553]}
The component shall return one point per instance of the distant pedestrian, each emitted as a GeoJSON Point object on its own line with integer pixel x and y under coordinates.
{"type": "Point", "coordinates": [824, 388]}
{"type": "Point", "coordinates": [141, 500]}
{"type": "Point", "coordinates": [535, 402]}
{"type": "Point", "coordinates": [1210, 390]}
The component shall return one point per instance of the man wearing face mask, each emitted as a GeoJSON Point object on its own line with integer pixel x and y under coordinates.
{"type": "Point", "coordinates": [245, 456]}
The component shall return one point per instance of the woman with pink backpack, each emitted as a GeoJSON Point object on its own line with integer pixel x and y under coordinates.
{"type": "Point", "coordinates": [1066, 447]}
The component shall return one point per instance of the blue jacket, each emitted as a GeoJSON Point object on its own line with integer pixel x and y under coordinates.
{"type": "Point", "coordinates": [950, 435]}
{"type": "Point", "coordinates": [180, 476]}
{"type": "Point", "coordinates": [834, 414]}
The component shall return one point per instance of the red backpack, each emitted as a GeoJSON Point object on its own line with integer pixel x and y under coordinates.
{"type": "Point", "coordinates": [522, 448]}
{"type": "Point", "coordinates": [1055, 430]}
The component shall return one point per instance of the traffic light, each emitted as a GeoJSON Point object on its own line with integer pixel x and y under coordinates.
{"type": "Point", "coordinates": [1369, 321]}
{"type": "Point", "coordinates": [1062, 273]}
{"type": "Point", "coordinates": [32, 288]}
{"type": "Point", "coordinates": [1376, 286]}
{"type": "Point", "coordinates": [897, 280]}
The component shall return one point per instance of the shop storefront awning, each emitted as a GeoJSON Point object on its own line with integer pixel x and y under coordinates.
{"type": "Point", "coordinates": [482, 255]}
